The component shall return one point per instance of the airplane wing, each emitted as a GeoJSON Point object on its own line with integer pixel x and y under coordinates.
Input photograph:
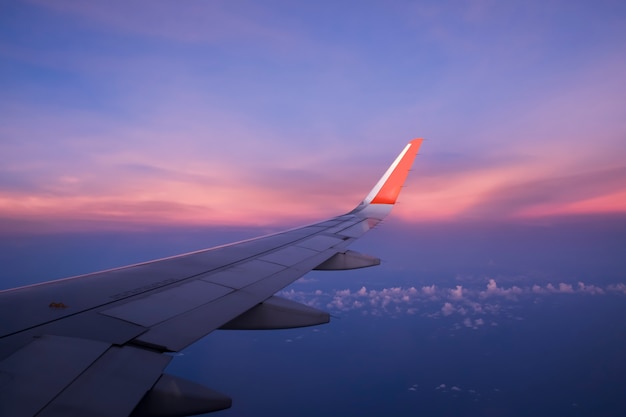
{"type": "Point", "coordinates": [97, 344]}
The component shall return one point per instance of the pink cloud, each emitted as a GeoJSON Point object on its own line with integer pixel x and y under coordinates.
{"type": "Point", "coordinates": [538, 178]}
{"type": "Point", "coordinates": [538, 289]}
{"type": "Point", "coordinates": [429, 290]}
{"type": "Point", "coordinates": [139, 177]}
{"type": "Point", "coordinates": [494, 290]}
{"type": "Point", "coordinates": [208, 156]}
{"type": "Point", "coordinates": [618, 288]}
{"type": "Point", "coordinates": [447, 309]}
{"type": "Point", "coordinates": [456, 293]}
{"type": "Point", "coordinates": [140, 169]}
{"type": "Point", "coordinates": [564, 288]}
{"type": "Point", "coordinates": [475, 306]}
{"type": "Point", "coordinates": [591, 289]}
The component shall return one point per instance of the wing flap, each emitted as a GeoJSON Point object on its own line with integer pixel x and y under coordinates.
{"type": "Point", "coordinates": [63, 359]}
{"type": "Point", "coordinates": [179, 332]}
{"type": "Point", "coordinates": [288, 256]}
{"type": "Point", "coordinates": [64, 376]}
{"type": "Point", "coordinates": [242, 275]}
{"type": "Point", "coordinates": [320, 242]}
{"type": "Point", "coordinates": [112, 386]}
{"type": "Point", "coordinates": [161, 306]}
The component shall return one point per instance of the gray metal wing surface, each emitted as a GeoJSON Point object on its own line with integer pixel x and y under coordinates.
{"type": "Point", "coordinates": [97, 344]}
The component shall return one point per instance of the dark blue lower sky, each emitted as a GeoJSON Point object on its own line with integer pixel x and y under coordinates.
{"type": "Point", "coordinates": [460, 320]}
{"type": "Point", "coordinates": [559, 360]}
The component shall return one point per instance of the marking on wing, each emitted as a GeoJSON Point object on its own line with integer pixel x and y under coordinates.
{"type": "Point", "coordinates": [55, 304]}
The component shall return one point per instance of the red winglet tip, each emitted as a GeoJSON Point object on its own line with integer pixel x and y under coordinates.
{"type": "Point", "coordinates": [390, 190]}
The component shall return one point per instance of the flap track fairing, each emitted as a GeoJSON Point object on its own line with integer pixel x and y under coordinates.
{"type": "Point", "coordinates": [348, 260]}
{"type": "Point", "coordinates": [277, 313]}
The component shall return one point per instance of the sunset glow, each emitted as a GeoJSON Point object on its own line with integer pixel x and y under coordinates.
{"type": "Point", "coordinates": [215, 114]}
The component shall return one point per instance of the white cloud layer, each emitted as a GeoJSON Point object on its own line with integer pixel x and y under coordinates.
{"type": "Point", "coordinates": [472, 308]}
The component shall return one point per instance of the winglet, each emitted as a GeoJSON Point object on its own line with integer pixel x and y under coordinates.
{"type": "Point", "coordinates": [388, 188]}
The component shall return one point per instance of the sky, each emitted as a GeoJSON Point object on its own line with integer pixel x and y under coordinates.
{"type": "Point", "coordinates": [134, 130]}
{"type": "Point", "coordinates": [239, 113]}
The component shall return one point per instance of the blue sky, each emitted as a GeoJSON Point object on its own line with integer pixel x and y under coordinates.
{"type": "Point", "coordinates": [136, 130]}
{"type": "Point", "coordinates": [123, 114]}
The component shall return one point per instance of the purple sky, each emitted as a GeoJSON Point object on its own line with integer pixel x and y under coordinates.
{"type": "Point", "coordinates": [199, 123]}
{"type": "Point", "coordinates": [269, 113]}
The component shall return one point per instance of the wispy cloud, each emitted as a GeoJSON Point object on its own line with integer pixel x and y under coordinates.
{"type": "Point", "coordinates": [207, 106]}
{"type": "Point", "coordinates": [620, 288]}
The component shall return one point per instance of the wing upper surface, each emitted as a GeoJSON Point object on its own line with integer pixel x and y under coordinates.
{"type": "Point", "coordinates": [121, 318]}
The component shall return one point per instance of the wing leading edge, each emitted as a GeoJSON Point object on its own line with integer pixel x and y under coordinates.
{"type": "Point", "coordinates": [95, 344]}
